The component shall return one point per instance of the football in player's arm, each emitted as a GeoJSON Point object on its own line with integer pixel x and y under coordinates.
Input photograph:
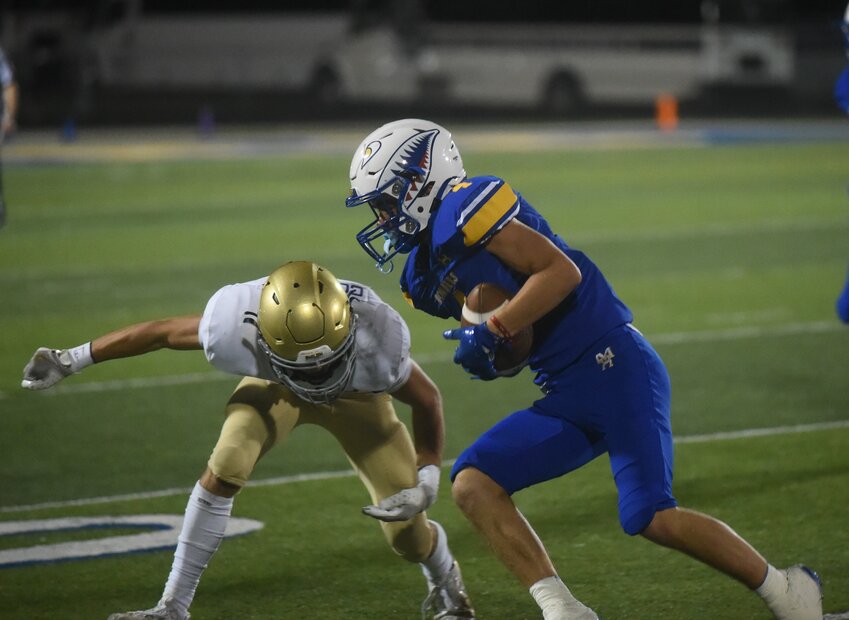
{"type": "Point", "coordinates": [605, 389]}
{"type": "Point", "coordinates": [311, 349]}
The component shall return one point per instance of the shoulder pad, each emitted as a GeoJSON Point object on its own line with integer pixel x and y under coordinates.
{"type": "Point", "coordinates": [474, 210]}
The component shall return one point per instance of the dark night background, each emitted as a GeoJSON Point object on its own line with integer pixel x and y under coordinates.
{"type": "Point", "coordinates": [814, 24]}
{"type": "Point", "coordinates": [472, 10]}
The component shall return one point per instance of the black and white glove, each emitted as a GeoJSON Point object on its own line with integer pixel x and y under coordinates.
{"type": "Point", "coordinates": [47, 367]}
{"type": "Point", "coordinates": [408, 503]}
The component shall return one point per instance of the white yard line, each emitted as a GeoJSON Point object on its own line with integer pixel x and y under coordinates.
{"type": "Point", "coordinates": [671, 338]}
{"type": "Point", "coordinates": [745, 332]}
{"type": "Point", "coordinates": [281, 480]}
{"type": "Point", "coordinates": [763, 432]}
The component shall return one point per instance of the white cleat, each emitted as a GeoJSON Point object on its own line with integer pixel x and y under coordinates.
{"type": "Point", "coordinates": [803, 598]}
{"type": "Point", "coordinates": [160, 612]}
{"type": "Point", "coordinates": [448, 599]}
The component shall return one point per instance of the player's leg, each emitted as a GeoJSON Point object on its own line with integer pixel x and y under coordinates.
{"type": "Point", "coordinates": [258, 415]}
{"type": "Point", "coordinates": [522, 450]}
{"type": "Point", "coordinates": [791, 594]}
{"type": "Point", "coordinates": [842, 93]}
{"type": "Point", "coordinates": [491, 510]}
{"type": "Point", "coordinates": [639, 440]}
{"type": "Point", "coordinates": [708, 540]}
{"type": "Point", "coordinates": [382, 453]}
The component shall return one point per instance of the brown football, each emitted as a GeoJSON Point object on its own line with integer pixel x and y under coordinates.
{"type": "Point", "coordinates": [482, 302]}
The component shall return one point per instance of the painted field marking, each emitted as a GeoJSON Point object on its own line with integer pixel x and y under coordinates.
{"type": "Point", "coordinates": [158, 532]}
{"type": "Point", "coordinates": [327, 475]}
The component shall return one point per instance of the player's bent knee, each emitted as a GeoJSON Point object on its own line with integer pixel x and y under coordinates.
{"type": "Point", "coordinates": [412, 539]}
{"type": "Point", "coordinates": [463, 490]}
{"type": "Point", "coordinates": [664, 528]}
{"type": "Point", "coordinates": [232, 464]}
{"type": "Point", "coordinates": [471, 488]}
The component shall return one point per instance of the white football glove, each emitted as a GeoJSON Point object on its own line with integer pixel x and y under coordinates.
{"type": "Point", "coordinates": [408, 503]}
{"type": "Point", "coordinates": [48, 367]}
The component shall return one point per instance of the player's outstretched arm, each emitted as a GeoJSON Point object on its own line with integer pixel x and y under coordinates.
{"type": "Point", "coordinates": [49, 366]}
{"type": "Point", "coordinates": [428, 435]}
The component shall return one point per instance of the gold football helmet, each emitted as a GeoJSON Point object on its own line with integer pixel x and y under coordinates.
{"type": "Point", "coordinates": [306, 328]}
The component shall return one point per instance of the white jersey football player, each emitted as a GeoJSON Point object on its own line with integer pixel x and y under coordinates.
{"type": "Point", "coordinates": [311, 350]}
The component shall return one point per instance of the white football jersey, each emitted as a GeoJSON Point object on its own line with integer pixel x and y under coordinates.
{"type": "Point", "coordinates": [228, 332]}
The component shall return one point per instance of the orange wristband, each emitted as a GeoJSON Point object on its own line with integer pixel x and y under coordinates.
{"type": "Point", "coordinates": [503, 331]}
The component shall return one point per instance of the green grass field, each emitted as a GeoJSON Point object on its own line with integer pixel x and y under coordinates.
{"type": "Point", "coordinates": [731, 258]}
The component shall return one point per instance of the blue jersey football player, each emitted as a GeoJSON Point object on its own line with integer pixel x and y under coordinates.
{"type": "Point", "coordinates": [604, 388]}
{"type": "Point", "coordinates": [841, 87]}
{"type": "Point", "coordinates": [841, 95]}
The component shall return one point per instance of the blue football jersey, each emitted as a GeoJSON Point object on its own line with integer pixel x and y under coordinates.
{"type": "Point", "coordinates": [441, 271]}
{"type": "Point", "coordinates": [841, 90]}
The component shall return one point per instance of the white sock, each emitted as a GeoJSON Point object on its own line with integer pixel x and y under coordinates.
{"type": "Point", "coordinates": [555, 599]}
{"type": "Point", "coordinates": [774, 587]}
{"type": "Point", "coordinates": [440, 561]}
{"type": "Point", "coordinates": [203, 529]}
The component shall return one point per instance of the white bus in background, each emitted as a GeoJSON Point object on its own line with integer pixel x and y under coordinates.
{"type": "Point", "coordinates": [559, 65]}
{"type": "Point", "coordinates": [393, 52]}
{"type": "Point", "coordinates": [747, 43]}
{"type": "Point", "coordinates": [119, 43]}
{"type": "Point", "coordinates": [519, 65]}
{"type": "Point", "coordinates": [215, 51]}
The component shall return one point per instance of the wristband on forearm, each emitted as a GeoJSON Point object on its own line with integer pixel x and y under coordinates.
{"type": "Point", "coordinates": [502, 331]}
{"type": "Point", "coordinates": [80, 357]}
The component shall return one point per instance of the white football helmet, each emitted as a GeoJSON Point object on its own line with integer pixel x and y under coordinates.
{"type": "Point", "coordinates": [401, 171]}
{"type": "Point", "coordinates": [307, 330]}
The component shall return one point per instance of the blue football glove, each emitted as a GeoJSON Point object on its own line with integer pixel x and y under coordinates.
{"type": "Point", "coordinates": [475, 350]}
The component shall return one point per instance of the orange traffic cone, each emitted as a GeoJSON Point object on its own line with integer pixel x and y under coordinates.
{"type": "Point", "coordinates": [666, 112]}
